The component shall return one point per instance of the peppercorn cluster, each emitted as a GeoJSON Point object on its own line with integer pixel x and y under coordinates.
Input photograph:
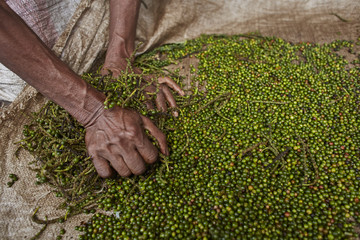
{"type": "Point", "coordinates": [270, 150]}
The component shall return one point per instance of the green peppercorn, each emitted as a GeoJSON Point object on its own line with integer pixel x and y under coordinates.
{"type": "Point", "coordinates": [270, 149]}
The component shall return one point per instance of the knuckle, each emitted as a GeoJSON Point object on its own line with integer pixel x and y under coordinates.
{"type": "Point", "coordinates": [104, 171]}
{"type": "Point", "coordinates": [89, 139]}
{"type": "Point", "coordinates": [153, 157]}
{"type": "Point", "coordinates": [91, 151]}
{"type": "Point", "coordinates": [139, 169]}
{"type": "Point", "coordinates": [150, 89]}
{"type": "Point", "coordinates": [104, 174]}
{"type": "Point", "coordinates": [162, 86]}
{"type": "Point", "coordinates": [132, 133]}
{"type": "Point", "coordinates": [131, 117]}
{"type": "Point", "coordinates": [125, 172]}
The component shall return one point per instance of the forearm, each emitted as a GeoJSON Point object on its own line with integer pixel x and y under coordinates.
{"type": "Point", "coordinates": [123, 21]}
{"type": "Point", "coordinates": [25, 54]}
{"type": "Point", "coordinates": [114, 135]}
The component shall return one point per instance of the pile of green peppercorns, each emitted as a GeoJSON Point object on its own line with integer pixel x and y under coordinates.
{"type": "Point", "coordinates": [269, 151]}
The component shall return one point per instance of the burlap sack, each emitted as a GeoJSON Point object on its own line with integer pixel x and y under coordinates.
{"type": "Point", "coordinates": [85, 40]}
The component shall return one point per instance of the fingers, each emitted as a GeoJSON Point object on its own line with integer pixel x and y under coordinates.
{"type": "Point", "coordinates": [115, 71]}
{"type": "Point", "coordinates": [104, 71]}
{"type": "Point", "coordinates": [164, 95]}
{"type": "Point", "coordinates": [124, 162]}
{"type": "Point", "coordinates": [134, 161]}
{"type": "Point", "coordinates": [170, 98]}
{"type": "Point", "coordinates": [148, 102]}
{"type": "Point", "coordinates": [161, 101]}
{"type": "Point", "coordinates": [113, 154]}
{"type": "Point", "coordinates": [102, 166]}
{"type": "Point", "coordinates": [147, 151]}
{"type": "Point", "coordinates": [154, 131]}
{"type": "Point", "coordinates": [118, 163]}
{"type": "Point", "coordinates": [137, 70]}
{"type": "Point", "coordinates": [169, 82]}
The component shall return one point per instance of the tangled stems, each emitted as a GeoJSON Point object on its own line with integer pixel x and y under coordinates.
{"type": "Point", "coordinates": [269, 151]}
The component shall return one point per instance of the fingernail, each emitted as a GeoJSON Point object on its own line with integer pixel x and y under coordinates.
{"type": "Point", "coordinates": [165, 151]}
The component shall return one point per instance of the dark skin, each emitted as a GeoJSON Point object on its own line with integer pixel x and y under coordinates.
{"type": "Point", "coordinates": [115, 138]}
{"type": "Point", "coordinates": [122, 45]}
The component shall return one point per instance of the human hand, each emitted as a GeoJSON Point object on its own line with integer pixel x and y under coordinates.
{"type": "Point", "coordinates": [121, 48]}
{"type": "Point", "coordinates": [161, 87]}
{"type": "Point", "coordinates": [151, 85]}
{"type": "Point", "coordinates": [117, 137]}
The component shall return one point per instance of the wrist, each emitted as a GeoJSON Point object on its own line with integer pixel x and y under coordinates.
{"type": "Point", "coordinates": [118, 54]}
{"type": "Point", "coordinates": [122, 33]}
{"type": "Point", "coordinates": [91, 106]}
{"type": "Point", "coordinates": [76, 96]}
